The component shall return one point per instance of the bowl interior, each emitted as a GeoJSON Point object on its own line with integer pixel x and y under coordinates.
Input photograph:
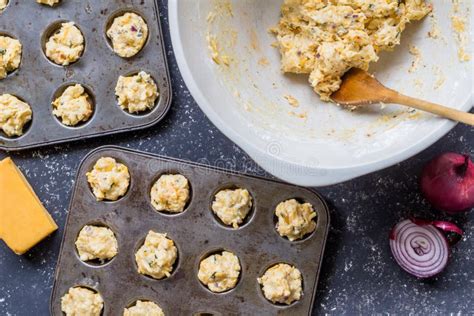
{"type": "Point", "coordinates": [247, 96]}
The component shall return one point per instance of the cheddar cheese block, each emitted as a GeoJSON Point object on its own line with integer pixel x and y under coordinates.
{"type": "Point", "coordinates": [23, 219]}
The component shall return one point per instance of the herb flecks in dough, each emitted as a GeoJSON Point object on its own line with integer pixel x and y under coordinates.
{"type": "Point", "coordinates": [326, 38]}
{"type": "Point", "coordinates": [282, 284]}
{"type": "Point", "coordinates": [82, 301]}
{"type": "Point", "coordinates": [73, 106]}
{"type": "Point", "coordinates": [295, 219]}
{"type": "Point", "coordinates": [128, 34]}
{"type": "Point", "coordinates": [14, 114]}
{"type": "Point", "coordinates": [232, 206]}
{"type": "Point", "coordinates": [66, 45]}
{"type": "Point", "coordinates": [136, 93]}
{"type": "Point", "coordinates": [157, 256]}
{"type": "Point", "coordinates": [10, 55]}
{"type": "Point", "coordinates": [96, 242]}
{"type": "Point", "coordinates": [220, 272]}
{"type": "Point", "coordinates": [108, 179]}
{"type": "Point", "coordinates": [170, 193]}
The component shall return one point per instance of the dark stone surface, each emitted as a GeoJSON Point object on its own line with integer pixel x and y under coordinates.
{"type": "Point", "coordinates": [359, 275]}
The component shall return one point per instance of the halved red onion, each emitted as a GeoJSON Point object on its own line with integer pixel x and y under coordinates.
{"type": "Point", "coordinates": [420, 248]}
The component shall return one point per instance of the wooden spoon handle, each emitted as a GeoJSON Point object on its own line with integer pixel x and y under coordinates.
{"type": "Point", "coordinates": [437, 109]}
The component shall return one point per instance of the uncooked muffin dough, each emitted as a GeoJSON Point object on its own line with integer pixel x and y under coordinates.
{"type": "Point", "coordinates": [157, 256]}
{"type": "Point", "coordinates": [170, 193]}
{"type": "Point", "coordinates": [325, 38]}
{"type": "Point", "coordinates": [81, 301]}
{"type": "Point", "coordinates": [10, 55]}
{"type": "Point", "coordinates": [220, 272]}
{"type": "Point", "coordinates": [66, 45]}
{"type": "Point", "coordinates": [282, 284]}
{"type": "Point", "coordinates": [128, 34]}
{"type": "Point", "coordinates": [136, 93]}
{"type": "Point", "coordinates": [295, 220]}
{"type": "Point", "coordinates": [109, 179]}
{"type": "Point", "coordinates": [143, 308]}
{"type": "Point", "coordinates": [3, 5]}
{"type": "Point", "coordinates": [96, 242]}
{"type": "Point", "coordinates": [48, 2]}
{"type": "Point", "coordinates": [73, 106]}
{"type": "Point", "coordinates": [14, 114]}
{"type": "Point", "coordinates": [232, 206]}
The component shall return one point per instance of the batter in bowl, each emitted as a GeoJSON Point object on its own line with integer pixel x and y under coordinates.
{"type": "Point", "coordinates": [128, 34]}
{"type": "Point", "coordinates": [95, 242]}
{"type": "Point", "coordinates": [143, 308]}
{"type": "Point", "coordinates": [220, 272]}
{"type": "Point", "coordinates": [48, 2]}
{"type": "Point", "coordinates": [157, 256]}
{"type": "Point", "coordinates": [66, 45]}
{"type": "Point", "coordinates": [14, 114]}
{"type": "Point", "coordinates": [326, 38]}
{"type": "Point", "coordinates": [232, 206]}
{"type": "Point", "coordinates": [10, 55]}
{"type": "Point", "coordinates": [73, 106]}
{"type": "Point", "coordinates": [82, 301]}
{"type": "Point", "coordinates": [109, 179]}
{"type": "Point", "coordinates": [282, 284]}
{"type": "Point", "coordinates": [295, 219]}
{"type": "Point", "coordinates": [170, 193]}
{"type": "Point", "coordinates": [136, 93]}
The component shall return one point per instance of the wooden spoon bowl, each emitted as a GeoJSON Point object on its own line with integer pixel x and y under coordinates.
{"type": "Point", "coordinates": [359, 88]}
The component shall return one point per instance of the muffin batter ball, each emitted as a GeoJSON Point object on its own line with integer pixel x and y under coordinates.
{"type": "Point", "coordinates": [14, 114]}
{"type": "Point", "coordinates": [282, 284]}
{"type": "Point", "coordinates": [326, 38]}
{"type": "Point", "coordinates": [143, 308]}
{"type": "Point", "coordinates": [96, 242]}
{"type": "Point", "coordinates": [82, 301]}
{"type": "Point", "coordinates": [73, 106]}
{"type": "Point", "coordinates": [170, 193]}
{"type": "Point", "coordinates": [220, 272]}
{"type": "Point", "coordinates": [232, 206]}
{"type": "Point", "coordinates": [157, 256]}
{"type": "Point", "coordinates": [48, 2]}
{"type": "Point", "coordinates": [295, 220]}
{"type": "Point", "coordinates": [136, 93]}
{"type": "Point", "coordinates": [66, 45]}
{"type": "Point", "coordinates": [128, 34]}
{"type": "Point", "coordinates": [108, 179]}
{"type": "Point", "coordinates": [3, 5]}
{"type": "Point", "coordinates": [10, 55]}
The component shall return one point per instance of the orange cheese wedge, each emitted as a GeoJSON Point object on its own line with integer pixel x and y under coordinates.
{"type": "Point", "coordinates": [24, 221]}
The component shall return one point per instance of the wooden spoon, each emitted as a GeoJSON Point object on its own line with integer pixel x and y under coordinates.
{"type": "Point", "coordinates": [360, 88]}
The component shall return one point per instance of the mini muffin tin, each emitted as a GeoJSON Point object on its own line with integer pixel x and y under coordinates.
{"type": "Point", "coordinates": [38, 80]}
{"type": "Point", "coordinates": [196, 234]}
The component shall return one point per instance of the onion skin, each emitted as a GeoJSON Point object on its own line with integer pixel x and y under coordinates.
{"type": "Point", "coordinates": [447, 182]}
{"type": "Point", "coordinates": [419, 246]}
{"type": "Point", "coordinates": [446, 227]}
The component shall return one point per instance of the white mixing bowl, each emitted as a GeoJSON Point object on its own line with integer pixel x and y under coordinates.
{"type": "Point", "coordinates": [316, 143]}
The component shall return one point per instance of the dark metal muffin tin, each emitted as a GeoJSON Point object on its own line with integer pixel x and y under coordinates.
{"type": "Point", "coordinates": [38, 80]}
{"type": "Point", "coordinates": [196, 234]}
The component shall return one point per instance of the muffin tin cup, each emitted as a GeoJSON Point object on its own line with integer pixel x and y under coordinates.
{"type": "Point", "coordinates": [37, 79]}
{"type": "Point", "coordinates": [195, 232]}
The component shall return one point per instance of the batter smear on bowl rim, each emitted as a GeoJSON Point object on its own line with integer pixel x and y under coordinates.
{"type": "Point", "coordinates": [326, 38]}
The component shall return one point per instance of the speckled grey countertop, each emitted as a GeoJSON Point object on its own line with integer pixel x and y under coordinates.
{"type": "Point", "coordinates": [358, 276]}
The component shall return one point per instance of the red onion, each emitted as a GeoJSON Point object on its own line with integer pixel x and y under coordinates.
{"type": "Point", "coordinates": [419, 246]}
{"type": "Point", "coordinates": [447, 182]}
